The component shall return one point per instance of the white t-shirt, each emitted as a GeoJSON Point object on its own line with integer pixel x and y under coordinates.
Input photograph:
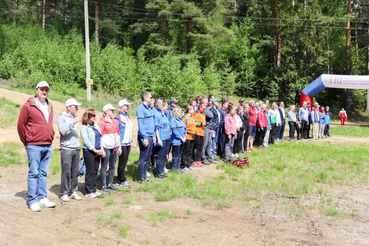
{"type": "Point", "coordinates": [44, 109]}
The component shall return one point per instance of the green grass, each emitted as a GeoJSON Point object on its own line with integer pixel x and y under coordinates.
{"type": "Point", "coordinates": [10, 153]}
{"type": "Point", "coordinates": [157, 217]}
{"type": "Point", "coordinates": [110, 202]}
{"type": "Point", "coordinates": [123, 231]}
{"type": "Point", "coordinates": [333, 212]}
{"type": "Point", "coordinates": [55, 164]}
{"type": "Point", "coordinates": [287, 169]}
{"type": "Point", "coordinates": [117, 214]}
{"type": "Point", "coordinates": [9, 113]}
{"type": "Point", "coordinates": [351, 131]}
{"type": "Point", "coordinates": [129, 200]}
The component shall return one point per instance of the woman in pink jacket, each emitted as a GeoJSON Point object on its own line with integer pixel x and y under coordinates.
{"type": "Point", "coordinates": [262, 124]}
{"type": "Point", "coordinates": [230, 131]}
{"type": "Point", "coordinates": [111, 138]}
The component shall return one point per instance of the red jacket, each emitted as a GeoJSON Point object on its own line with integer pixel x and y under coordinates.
{"type": "Point", "coordinates": [252, 115]}
{"type": "Point", "coordinates": [262, 119]}
{"type": "Point", "coordinates": [32, 126]}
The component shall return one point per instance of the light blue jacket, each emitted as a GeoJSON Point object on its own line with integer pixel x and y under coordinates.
{"type": "Point", "coordinates": [178, 130]}
{"type": "Point", "coordinates": [88, 136]}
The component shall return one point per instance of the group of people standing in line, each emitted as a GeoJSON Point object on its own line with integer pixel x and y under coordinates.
{"type": "Point", "coordinates": [205, 130]}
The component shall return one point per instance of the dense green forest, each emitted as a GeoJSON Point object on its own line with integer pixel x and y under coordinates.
{"type": "Point", "coordinates": [184, 48]}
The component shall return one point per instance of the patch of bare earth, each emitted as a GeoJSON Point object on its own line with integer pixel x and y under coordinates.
{"type": "Point", "coordinates": [263, 219]}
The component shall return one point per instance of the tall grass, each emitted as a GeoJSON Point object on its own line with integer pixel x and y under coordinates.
{"type": "Point", "coordinates": [9, 113]}
{"type": "Point", "coordinates": [10, 153]}
{"type": "Point", "coordinates": [351, 131]}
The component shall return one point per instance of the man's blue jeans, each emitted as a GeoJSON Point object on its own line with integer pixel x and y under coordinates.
{"type": "Point", "coordinates": [38, 163]}
{"type": "Point", "coordinates": [214, 148]}
{"type": "Point", "coordinates": [206, 149]}
{"type": "Point", "coordinates": [145, 154]}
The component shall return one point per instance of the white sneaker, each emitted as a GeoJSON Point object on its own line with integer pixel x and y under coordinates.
{"type": "Point", "coordinates": [35, 207]}
{"type": "Point", "coordinates": [45, 202]}
{"type": "Point", "coordinates": [148, 174]}
{"type": "Point", "coordinates": [165, 170]}
{"type": "Point", "coordinates": [75, 196]}
{"type": "Point", "coordinates": [64, 198]}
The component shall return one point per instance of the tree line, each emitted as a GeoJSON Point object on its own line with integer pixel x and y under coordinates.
{"type": "Point", "coordinates": [183, 48]}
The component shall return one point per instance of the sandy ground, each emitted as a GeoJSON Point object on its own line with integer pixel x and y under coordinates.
{"type": "Point", "coordinates": [273, 222]}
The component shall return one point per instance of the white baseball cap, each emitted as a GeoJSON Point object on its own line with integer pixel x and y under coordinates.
{"type": "Point", "coordinates": [108, 107]}
{"type": "Point", "coordinates": [42, 84]}
{"type": "Point", "coordinates": [72, 101]}
{"type": "Point", "coordinates": [123, 102]}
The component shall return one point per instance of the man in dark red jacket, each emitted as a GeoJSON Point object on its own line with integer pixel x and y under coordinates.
{"type": "Point", "coordinates": [35, 129]}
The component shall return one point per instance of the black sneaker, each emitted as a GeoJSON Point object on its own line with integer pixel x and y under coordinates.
{"type": "Point", "coordinates": [160, 177]}
{"type": "Point", "coordinates": [112, 187]}
{"type": "Point", "coordinates": [105, 189]}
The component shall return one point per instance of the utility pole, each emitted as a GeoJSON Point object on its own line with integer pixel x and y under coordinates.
{"type": "Point", "coordinates": [87, 44]}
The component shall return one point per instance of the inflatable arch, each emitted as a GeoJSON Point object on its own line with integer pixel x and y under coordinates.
{"type": "Point", "coordinates": [333, 81]}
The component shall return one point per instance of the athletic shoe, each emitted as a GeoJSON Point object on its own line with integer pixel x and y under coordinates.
{"type": "Point", "coordinates": [165, 170]}
{"type": "Point", "coordinates": [200, 164]}
{"type": "Point", "coordinates": [75, 196]}
{"type": "Point", "coordinates": [261, 147]}
{"type": "Point", "coordinates": [186, 169]}
{"type": "Point", "coordinates": [191, 168]}
{"type": "Point", "coordinates": [253, 150]}
{"type": "Point", "coordinates": [148, 174]}
{"type": "Point", "coordinates": [45, 202]}
{"type": "Point", "coordinates": [124, 184]}
{"type": "Point", "coordinates": [212, 161]}
{"type": "Point", "coordinates": [160, 177]}
{"type": "Point", "coordinates": [35, 207]}
{"type": "Point", "coordinates": [64, 198]}
{"type": "Point", "coordinates": [148, 180]}
{"type": "Point", "coordinates": [91, 195]}
{"type": "Point", "coordinates": [206, 162]}
{"type": "Point", "coordinates": [97, 193]}
{"type": "Point", "coordinates": [105, 189]}
{"type": "Point", "coordinates": [112, 187]}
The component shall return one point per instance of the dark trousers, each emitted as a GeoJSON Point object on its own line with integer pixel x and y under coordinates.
{"type": "Point", "coordinates": [245, 137]}
{"type": "Point", "coordinates": [238, 143]}
{"type": "Point", "coordinates": [262, 134]}
{"type": "Point", "coordinates": [298, 130]}
{"type": "Point", "coordinates": [273, 133]}
{"type": "Point", "coordinates": [292, 129]}
{"type": "Point", "coordinates": [304, 129]}
{"type": "Point", "coordinates": [326, 130]}
{"type": "Point", "coordinates": [199, 142]}
{"type": "Point", "coordinates": [70, 170]}
{"type": "Point", "coordinates": [176, 153]}
{"type": "Point", "coordinates": [187, 152]}
{"type": "Point", "coordinates": [222, 142]}
{"type": "Point", "coordinates": [123, 160]}
{"type": "Point", "coordinates": [281, 129]}
{"type": "Point", "coordinates": [154, 155]}
{"type": "Point", "coordinates": [162, 156]}
{"type": "Point", "coordinates": [145, 154]}
{"type": "Point", "coordinates": [92, 162]}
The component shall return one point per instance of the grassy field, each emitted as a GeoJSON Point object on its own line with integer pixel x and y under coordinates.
{"type": "Point", "coordinates": [9, 113]}
{"type": "Point", "coordinates": [351, 131]}
{"type": "Point", "coordinates": [287, 169]}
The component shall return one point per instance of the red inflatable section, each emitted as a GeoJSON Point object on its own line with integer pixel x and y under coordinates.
{"type": "Point", "coordinates": [304, 98]}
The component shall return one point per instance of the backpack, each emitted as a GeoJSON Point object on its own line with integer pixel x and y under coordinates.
{"type": "Point", "coordinates": [82, 167]}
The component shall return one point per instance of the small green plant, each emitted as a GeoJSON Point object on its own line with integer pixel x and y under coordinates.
{"type": "Point", "coordinates": [100, 218]}
{"type": "Point", "coordinates": [123, 231]}
{"type": "Point", "coordinates": [147, 241]}
{"type": "Point", "coordinates": [190, 212]}
{"type": "Point", "coordinates": [93, 209]}
{"type": "Point", "coordinates": [161, 216]}
{"type": "Point", "coordinates": [110, 202]}
{"type": "Point", "coordinates": [129, 200]}
{"type": "Point", "coordinates": [202, 219]}
{"type": "Point", "coordinates": [117, 214]}
{"type": "Point", "coordinates": [333, 212]}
